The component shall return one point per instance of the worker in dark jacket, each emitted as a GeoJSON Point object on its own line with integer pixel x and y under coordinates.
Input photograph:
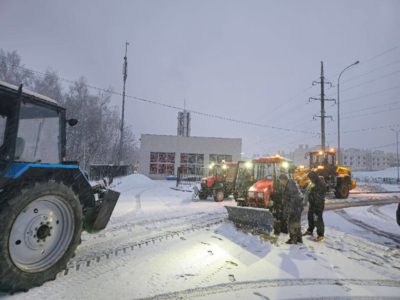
{"type": "Point", "coordinates": [293, 206]}
{"type": "Point", "coordinates": [315, 195]}
{"type": "Point", "coordinates": [280, 222]}
{"type": "Point", "coordinates": [398, 214]}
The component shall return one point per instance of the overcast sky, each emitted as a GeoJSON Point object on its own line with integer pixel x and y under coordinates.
{"type": "Point", "coordinates": [248, 60]}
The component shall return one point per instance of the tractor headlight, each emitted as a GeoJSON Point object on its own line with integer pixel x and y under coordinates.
{"type": "Point", "coordinates": [260, 195]}
{"type": "Point", "coordinates": [250, 194]}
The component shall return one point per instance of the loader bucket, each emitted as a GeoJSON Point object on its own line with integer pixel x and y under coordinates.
{"type": "Point", "coordinates": [258, 218]}
{"type": "Point", "coordinates": [104, 210]}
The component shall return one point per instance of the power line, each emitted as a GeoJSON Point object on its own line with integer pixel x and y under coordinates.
{"type": "Point", "coordinates": [149, 101]}
{"type": "Point", "coordinates": [372, 80]}
{"type": "Point", "coordinates": [372, 128]}
{"type": "Point", "coordinates": [372, 94]}
{"type": "Point", "coordinates": [371, 113]}
{"type": "Point", "coordinates": [371, 71]}
{"type": "Point", "coordinates": [371, 107]}
{"type": "Point", "coordinates": [369, 59]}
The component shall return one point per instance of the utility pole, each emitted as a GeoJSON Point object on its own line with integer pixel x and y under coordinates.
{"type": "Point", "coordinates": [322, 100]}
{"type": "Point", "coordinates": [125, 75]}
{"type": "Point", "coordinates": [397, 154]}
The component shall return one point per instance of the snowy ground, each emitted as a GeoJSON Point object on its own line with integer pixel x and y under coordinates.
{"type": "Point", "coordinates": [389, 172]}
{"type": "Point", "coordinates": [161, 244]}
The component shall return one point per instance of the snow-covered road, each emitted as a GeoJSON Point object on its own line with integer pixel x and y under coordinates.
{"type": "Point", "coordinates": [161, 244]}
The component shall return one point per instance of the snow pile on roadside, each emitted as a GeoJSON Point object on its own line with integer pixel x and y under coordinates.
{"type": "Point", "coordinates": [133, 181]}
{"type": "Point", "coordinates": [388, 173]}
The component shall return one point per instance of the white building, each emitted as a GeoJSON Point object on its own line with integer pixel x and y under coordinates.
{"type": "Point", "coordinates": [355, 159]}
{"type": "Point", "coordinates": [161, 155]}
{"type": "Point", "coordinates": [366, 160]}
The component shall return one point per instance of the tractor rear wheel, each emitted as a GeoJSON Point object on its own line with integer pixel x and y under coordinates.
{"type": "Point", "coordinates": [342, 191]}
{"type": "Point", "coordinates": [40, 230]}
{"type": "Point", "coordinates": [219, 196]}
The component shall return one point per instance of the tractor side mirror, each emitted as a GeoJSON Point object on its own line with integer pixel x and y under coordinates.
{"type": "Point", "coordinates": [72, 122]}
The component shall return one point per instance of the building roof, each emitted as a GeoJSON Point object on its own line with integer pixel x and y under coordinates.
{"type": "Point", "coordinates": [188, 137]}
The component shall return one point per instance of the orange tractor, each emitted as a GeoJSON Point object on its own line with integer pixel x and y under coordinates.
{"type": "Point", "coordinates": [337, 178]}
{"type": "Point", "coordinates": [256, 186]}
{"type": "Point", "coordinates": [220, 182]}
{"type": "Point", "coordinates": [263, 181]}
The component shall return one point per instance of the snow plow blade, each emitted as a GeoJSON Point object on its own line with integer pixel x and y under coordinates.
{"type": "Point", "coordinates": [104, 210]}
{"type": "Point", "coordinates": [258, 218]}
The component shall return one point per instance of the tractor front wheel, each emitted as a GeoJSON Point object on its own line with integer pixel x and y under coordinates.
{"type": "Point", "coordinates": [202, 195]}
{"type": "Point", "coordinates": [40, 230]}
{"type": "Point", "coordinates": [342, 191]}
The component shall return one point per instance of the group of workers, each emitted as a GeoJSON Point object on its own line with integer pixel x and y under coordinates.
{"type": "Point", "coordinates": [288, 207]}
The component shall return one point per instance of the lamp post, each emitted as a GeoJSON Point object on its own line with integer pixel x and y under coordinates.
{"type": "Point", "coordinates": [397, 154]}
{"type": "Point", "coordinates": [338, 108]}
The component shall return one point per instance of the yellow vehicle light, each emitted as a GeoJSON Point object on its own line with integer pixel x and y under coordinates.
{"type": "Point", "coordinates": [301, 167]}
{"type": "Point", "coordinates": [211, 166]}
{"type": "Point", "coordinates": [320, 167]}
{"type": "Point", "coordinates": [224, 167]}
{"type": "Point", "coordinates": [285, 165]}
{"type": "Point", "coordinates": [320, 152]}
{"type": "Point", "coordinates": [248, 164]}
{"type": "Point", "coordinates": [332, 150]}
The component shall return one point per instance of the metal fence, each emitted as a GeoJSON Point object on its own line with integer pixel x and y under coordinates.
{"type": "Point", "coordinates": [188, 177]}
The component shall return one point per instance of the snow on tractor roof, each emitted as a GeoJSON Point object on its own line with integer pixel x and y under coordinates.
{"type": "Point", "coordinates": [271, 159]}
{"type": "Point", "coordinates": [28, 93]}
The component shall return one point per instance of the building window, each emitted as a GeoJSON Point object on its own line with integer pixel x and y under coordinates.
{"type": "Point", "coordinates": [162, 163]}
{"type": "Point", "coordinates": [192, 163]}
{"type": "Point", "coordinates": [218, 158]}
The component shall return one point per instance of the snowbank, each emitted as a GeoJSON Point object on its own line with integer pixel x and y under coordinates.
{"type": "Point", "coordinates": [134, 181]}
{"type": "Point", "coordinates": [388, 173]}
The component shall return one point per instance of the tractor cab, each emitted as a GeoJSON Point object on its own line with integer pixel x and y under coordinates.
{"type": "Point", "coordinates": [321, 158]}
{"type": "Point", "coordinates": [324, 163]}
{"type": "Point", "coordinates": [32, 130]}
{"type": "Point", "coordinates": [261, 180]}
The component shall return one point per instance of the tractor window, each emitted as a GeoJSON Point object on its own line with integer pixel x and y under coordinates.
{"type": "Point", "coordinates": [3, 122]}
{"type": "Point", "coordinates": [264, 171]}
{"type": "Point", "coordinates": [38, 137]}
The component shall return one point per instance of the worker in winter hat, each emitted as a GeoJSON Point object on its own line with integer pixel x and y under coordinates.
{"type": "Point", "coordinates": [293, 206]}
{"type": "Point", "coordinates": [315, 193]}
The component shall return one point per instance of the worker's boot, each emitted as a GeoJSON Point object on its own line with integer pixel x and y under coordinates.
{"type": "Point", "coordinates": [307, 233]}
{"type": "Point", "coordinates": [319, 238]}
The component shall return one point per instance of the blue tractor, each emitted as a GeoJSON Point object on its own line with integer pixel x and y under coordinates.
{"type": "Point", "coordinates": [45, 201]}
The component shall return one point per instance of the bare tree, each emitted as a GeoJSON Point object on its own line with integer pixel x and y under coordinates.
{"type": "Point", "coordinates": [95, 139]}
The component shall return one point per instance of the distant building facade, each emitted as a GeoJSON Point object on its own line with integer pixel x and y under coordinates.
{"type": "Point", "coordinates": [367, 160]}
{"type": "Point", "coordinates": [355, 159]}
{"type": "Point", "coordinates": [161, 155]}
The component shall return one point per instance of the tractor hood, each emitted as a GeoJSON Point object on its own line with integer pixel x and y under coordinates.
{"type": "Point", "coordinates": [262, 185]}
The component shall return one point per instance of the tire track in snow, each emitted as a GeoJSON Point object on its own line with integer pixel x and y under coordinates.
{"type": "Point", "coordinates": [99, 256]}
{"type": "Point", "coordinates": [347, 217]}
{"type": "Point", "coordinates": [374, 209]}
{"type": "Point", "coordinates": [268, 283]}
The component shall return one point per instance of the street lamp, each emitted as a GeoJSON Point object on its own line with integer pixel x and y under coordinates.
{"type": "Point", "coordinates": [397, 153]}
{"type": "Point", "coordinates": [338, 107]}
